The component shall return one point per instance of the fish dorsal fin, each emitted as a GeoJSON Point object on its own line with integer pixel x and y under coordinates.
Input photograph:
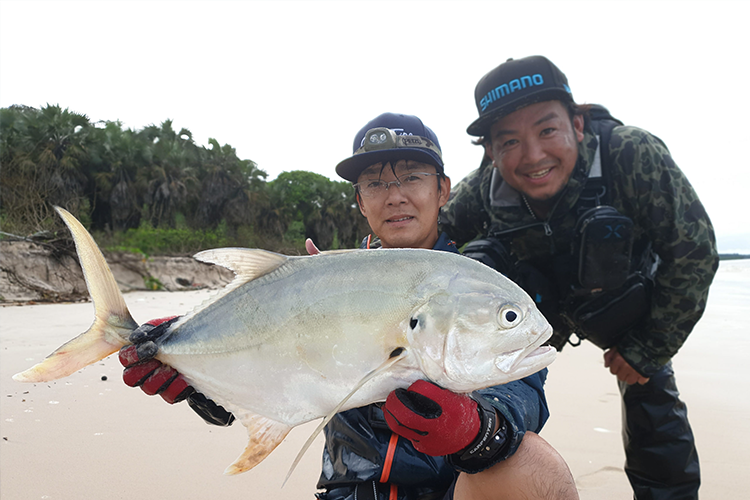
{"type": "Point", "coordinates": [246, 263]}
{"type": "Point", "coordinates": [397, 356]}
{"type": "Point", "coordinates": [337, 252]}
{"type": "Point", "coordinates": [265, 435]}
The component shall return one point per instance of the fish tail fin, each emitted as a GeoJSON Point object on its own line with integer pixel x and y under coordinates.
{"type": "Point", "coordinates": [112, 322]}
{"type": "Point", "coordinates": [265, 435]}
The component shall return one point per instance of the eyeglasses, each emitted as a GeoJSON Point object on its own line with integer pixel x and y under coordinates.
{"type": "Point", "coordinates": [408, 183]}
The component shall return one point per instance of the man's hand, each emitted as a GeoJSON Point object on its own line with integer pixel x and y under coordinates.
{"type": "Point", "coordinates": [310, 247]}
{"type": "Point", "coordinates": [621, 368]}
{"type": "Point", "coordinates": [154, 377]}
{"type": "Point", "coordinates": [437, 421]}
{"type": "Point", "coordinates": [141, 369]}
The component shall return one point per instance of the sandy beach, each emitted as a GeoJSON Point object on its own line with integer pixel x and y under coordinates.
{"type": "Point", "coordinates": [89, 436]}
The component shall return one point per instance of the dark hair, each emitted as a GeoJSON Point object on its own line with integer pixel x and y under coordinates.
{"type": "Point", "coordinates": [583, 110]}
{"type": "Point", "coordinates": [574, 110]}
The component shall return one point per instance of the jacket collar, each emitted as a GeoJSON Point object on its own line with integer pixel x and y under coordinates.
{"type": "Point", "coordinates": [443, 243]}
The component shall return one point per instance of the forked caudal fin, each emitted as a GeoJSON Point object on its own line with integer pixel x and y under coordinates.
{"type": "Point", "coordinates": [112, 322]}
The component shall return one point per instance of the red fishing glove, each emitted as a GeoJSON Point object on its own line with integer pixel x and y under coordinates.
{"type": "Point", "coordinates": [154, 377]}
{"type": "Point", "coordinates": [141, 369]}
{"type": "Point", "coordinates": [437, 421]}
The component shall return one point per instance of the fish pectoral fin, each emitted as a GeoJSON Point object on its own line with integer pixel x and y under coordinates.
{"type": "Point", "coordinates": [265, 435]}
{"type": "Point", "coordinates": [396, 355]}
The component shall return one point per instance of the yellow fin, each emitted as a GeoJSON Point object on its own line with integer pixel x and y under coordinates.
{"type": "Point", "coordinates": [108, 301]}
{"type": "Point", "coordinates": [112, 320]}
{"type": "Point", "coordinates": [265, 435]}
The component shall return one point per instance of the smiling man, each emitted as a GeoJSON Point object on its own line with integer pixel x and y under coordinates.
{"type": "Point", "coordinates": [536, 150]}
{"type": "Point", "coordinates": [599, 225]}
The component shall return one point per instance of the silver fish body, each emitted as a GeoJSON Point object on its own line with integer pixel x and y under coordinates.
{"type": "Point", "coordinates": [291, 337]}
{"type": "Point", "coordinates": [290, 344]}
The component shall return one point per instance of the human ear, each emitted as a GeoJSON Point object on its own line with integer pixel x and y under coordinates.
{"type": "Point", "coordinates": [578, 127]}
{"type": "Point", "coordinates": [361, 205]}
{"type": "Point", "coordinates": [488, 150]}
{"type": "Point", "coordinates": [445, 190]}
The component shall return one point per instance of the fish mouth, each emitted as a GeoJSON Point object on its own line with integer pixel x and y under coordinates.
{"type": "Point", "coordinates": [526, 357]}
{"type": "Point", "coordinates": [537, 357]}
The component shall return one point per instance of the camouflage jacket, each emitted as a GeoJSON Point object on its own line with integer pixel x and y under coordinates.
{"type": "Point", "coordinates": [648, 187]}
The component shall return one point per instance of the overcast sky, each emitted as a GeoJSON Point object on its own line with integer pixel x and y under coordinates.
{"type": "Point", "coordinates": [288, 84]}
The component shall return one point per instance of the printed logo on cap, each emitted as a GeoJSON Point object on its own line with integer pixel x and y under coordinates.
{"type": "Point", "coordinates": [507, 88]}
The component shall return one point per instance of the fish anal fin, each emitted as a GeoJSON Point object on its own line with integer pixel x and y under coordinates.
{"type": "Point", "coordinates": [265, 435]}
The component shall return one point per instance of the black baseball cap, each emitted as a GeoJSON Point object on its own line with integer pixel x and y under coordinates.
{"type": "Point", "coordinates": [391, 137]}
{"type": "Point", "coordinates": [514, 84]}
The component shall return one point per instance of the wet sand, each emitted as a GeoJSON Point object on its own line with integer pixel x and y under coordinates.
{"type": "Point", "coordinates": [90, 436]}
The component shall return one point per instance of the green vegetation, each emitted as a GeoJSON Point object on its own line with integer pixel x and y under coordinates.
{"type": "Point", "coordinates": [156, 192]}
{"type": "Point", "coordinates": [152, 283]}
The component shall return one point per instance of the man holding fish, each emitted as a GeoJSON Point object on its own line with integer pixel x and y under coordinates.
{"type": "Point", "coordinates": [424, 442]}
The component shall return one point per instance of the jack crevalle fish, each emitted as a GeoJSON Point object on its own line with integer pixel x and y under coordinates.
{"type": "Point", "coordinates": [294, 339]}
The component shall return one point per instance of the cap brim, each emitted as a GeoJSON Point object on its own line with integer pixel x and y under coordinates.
{"type": "Point", "coordinates": [351, 168]}
{"type": "Point", "coordinates": [481, 125]}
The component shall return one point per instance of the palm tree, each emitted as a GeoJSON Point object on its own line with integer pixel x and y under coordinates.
{"type": "Point", "coordinates": [326, 208]}
{"type": "Point", "coordinates": [45, 149]}
{"type": "Point", "coordinates": [116, 156]}
{"type": "Point", "coordinates": [175, 157]}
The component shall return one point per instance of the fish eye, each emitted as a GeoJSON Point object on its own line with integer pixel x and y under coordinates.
{"type": "Point", "coordinates": [509, 316]}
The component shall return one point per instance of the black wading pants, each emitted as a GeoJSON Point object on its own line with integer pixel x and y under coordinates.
{"type": "Point", "coordinates": [661, 459]}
